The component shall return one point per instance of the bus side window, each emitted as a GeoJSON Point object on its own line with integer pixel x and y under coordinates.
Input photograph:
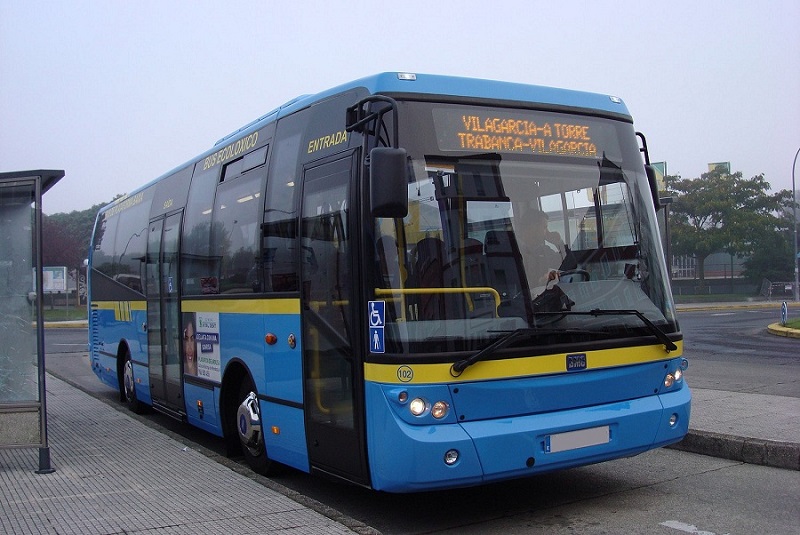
{"type": "Point", "coordinates": [279, 230]}
{"type": "Point", "coordinates": [199, 269]}
{"type": "Point", "coordinates": [131, 246]}
{"type": "Point", "coordinates": [234, 231]}
{"type": "Point", "coordinates": [120, 242]}
{"type": "Point", "coordinates": [104, 239]}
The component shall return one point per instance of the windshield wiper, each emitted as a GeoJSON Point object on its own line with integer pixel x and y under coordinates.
{"type": "Point", "coordinates": [458, 367]}
{"type": "Point", "coordinates": [662, 337]}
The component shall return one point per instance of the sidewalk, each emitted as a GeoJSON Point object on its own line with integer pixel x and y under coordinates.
{"type": "Point", "coordinates": [751, 428]}
{"type": "Point", "coordinates": [114, 474]}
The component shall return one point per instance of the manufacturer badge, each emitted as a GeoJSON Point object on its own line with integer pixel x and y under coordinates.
{"type": "Point", "coordinates": [576, 362]}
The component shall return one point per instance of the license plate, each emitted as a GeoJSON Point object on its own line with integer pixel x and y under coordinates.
{"type": "Point", "coordinates": [573, 440]}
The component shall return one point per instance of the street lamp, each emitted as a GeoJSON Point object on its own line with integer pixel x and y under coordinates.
{"type": "Point", "coordinates": [794, 221]}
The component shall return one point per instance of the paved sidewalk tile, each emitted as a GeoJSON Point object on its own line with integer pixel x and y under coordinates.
{"type": "Point", "coordinates": [746, 415]}
{"type": "Point", "coordinates": [115, 475]}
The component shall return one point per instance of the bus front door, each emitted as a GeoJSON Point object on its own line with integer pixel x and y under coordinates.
{"type": "Point", "coordinates": [163, 313]}
{"type": "Point", "coordinates": [334, 400]}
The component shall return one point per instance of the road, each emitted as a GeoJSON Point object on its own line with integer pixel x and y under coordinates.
{"type": "Point", "coordinates": [732, 350]}
{"type": "Point", "coordinates": [663, 491]}
{"type": "Point", "coordinates": [66, 356]}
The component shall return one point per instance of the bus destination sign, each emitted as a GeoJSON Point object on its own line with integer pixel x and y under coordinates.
{"type": "Point", "coordinates": [507, 132]}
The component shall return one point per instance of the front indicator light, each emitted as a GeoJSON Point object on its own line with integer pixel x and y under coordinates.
{"type": "Point", "coordinates": [439, 409]}
{"type": "Point", "coordinates": [417, 406]}
{"type": "Point", "coordinates": [451, 457]}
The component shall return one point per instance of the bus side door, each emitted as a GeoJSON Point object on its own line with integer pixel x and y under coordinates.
{"type": "Point", "coordinates": [163, 313]}
{"type": "Point", "coordinates": [333, 391]}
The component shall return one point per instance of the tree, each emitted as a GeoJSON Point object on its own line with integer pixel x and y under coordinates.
{"type": "Point", "coordinates": [721, 212]}
{"type": "Point", "coordinates": [773, 260]}
{"type": "Point", "coordinates": [65, 237]}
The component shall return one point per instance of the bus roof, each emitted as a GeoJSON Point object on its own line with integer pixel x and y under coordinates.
{"type": "Point", "coordinates": [429, 84]}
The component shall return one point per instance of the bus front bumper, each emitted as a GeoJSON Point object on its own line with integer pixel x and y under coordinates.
{"type": "Point", "coordinates": [409, 458]}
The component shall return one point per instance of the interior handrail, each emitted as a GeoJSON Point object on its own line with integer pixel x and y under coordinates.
{"type": "Point", "coordinates": [460, 290]}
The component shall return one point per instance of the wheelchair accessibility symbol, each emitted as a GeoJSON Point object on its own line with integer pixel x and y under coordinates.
{"type": "Point", "coordinates": [376, 313]}
{"type": "Point", "coordinates": [376, 321]}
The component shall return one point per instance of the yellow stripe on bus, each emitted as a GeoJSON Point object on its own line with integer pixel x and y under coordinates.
{"type": "Point", "coordinates": [406, 373]}
{"type": "Point", "coordinates": [114, 305]}
{"type": "Point", "coordinates": [244, 306]}
{"type": "Point", "coordinates": [232, 306]}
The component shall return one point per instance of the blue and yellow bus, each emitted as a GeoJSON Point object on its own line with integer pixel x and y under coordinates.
{"type": "Point", "coordinates": [408, 282]}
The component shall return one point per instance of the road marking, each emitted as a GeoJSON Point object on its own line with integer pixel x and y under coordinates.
{"type": "Point", "coordinates": [724, 314]}
{"type": "Point", "coordinates": [686, 528]}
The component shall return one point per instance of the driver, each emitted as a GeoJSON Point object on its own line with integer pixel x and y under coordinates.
{"type": "Point", "coordinates": [539, 248]}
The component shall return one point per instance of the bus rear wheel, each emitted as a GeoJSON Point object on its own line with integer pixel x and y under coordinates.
{"type": "Point", "coordinates": [129, 386]}
{"type": "Point", "coordinates": [250, 430]}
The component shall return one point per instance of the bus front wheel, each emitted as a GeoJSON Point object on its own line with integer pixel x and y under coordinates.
{"type": "Point", "coordinates": [250, 430]}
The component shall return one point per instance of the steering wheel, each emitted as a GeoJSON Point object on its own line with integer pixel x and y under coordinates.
{"type": "Point", "coordinates": [582, 272]}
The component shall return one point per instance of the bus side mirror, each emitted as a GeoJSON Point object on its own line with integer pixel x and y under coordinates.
{"type": "Point", "coordinates": [651, 178]}
{"type": "Point", "coordinates": [388, 183]}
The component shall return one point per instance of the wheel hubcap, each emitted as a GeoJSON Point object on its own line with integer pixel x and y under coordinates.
{"type": "Point", "coordinates": [249, 424]}
{"type": "Point", "coordinates": [127, 379]}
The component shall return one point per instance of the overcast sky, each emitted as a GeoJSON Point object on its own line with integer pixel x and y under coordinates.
{"type": "Point", "coordinates": [117, 93]}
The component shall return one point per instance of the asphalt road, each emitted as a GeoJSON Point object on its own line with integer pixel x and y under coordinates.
{"type": "Point", "coordinates": [731, 350]}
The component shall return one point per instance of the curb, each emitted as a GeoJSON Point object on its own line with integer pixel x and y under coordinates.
{"type": "Point", "coordinates": [735, 305]}
{"type": "Point", "coordinates": [743, 449]}
{"type": "Point", "coordinates": [780, 330]}
{"type": "Point", "coordinates": [77, 324]}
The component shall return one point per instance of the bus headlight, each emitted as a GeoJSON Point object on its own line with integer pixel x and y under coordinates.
{"type": "Point", "coordinates": [669, 380]}
{"type": "Point", "coordinates": [674, 377]}
{"type": "Point", "coordinates": [440, 409]}
{"type": "Point", "coordinates": [417, 406]}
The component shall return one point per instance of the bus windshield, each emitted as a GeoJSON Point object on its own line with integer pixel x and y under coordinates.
{"type": "Point", "coordinates": [520, 220]}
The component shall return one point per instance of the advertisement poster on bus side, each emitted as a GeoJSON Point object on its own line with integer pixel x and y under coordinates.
{"type": "Point", "coordinates": [201, 345]}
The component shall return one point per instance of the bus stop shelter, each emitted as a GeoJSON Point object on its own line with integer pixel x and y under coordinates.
{"type": "Point", "coordinates": [23, 407]}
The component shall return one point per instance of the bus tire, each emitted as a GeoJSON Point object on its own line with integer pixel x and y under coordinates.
{"type": "Point", "coordinates": [128, 386]}
{"type": "Point", "coordinates": [249, 429]}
